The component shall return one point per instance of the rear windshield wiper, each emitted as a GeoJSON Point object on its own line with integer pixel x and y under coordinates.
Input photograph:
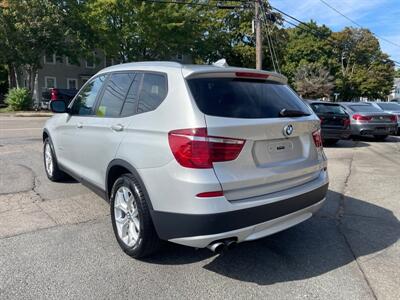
{"type": "Point", "coordinates": [292, 113]}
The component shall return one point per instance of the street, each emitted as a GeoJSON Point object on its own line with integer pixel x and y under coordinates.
{"type": "Point", "coordinates": [56, 239]}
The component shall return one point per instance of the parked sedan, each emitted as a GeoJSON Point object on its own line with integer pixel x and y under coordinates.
{"type": "Point", "coordinates": [367, 119]}
{"type": "Point", "coordinates": [335, 122]}
{"type": "Point", "coordinates": [391, 108]}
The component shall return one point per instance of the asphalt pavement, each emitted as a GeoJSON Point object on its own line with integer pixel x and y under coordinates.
{"type": "Point", "coordinates": [56, 239]}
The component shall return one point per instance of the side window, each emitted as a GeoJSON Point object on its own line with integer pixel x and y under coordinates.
{"type": "Point", "coordinates": [84, 102]}
{"type": "Point", "coordinates": [114, 94]}
{"type": "Point", "coordinates": [153, 92]}
{"type": "Point", "coordinates": [131, 101]}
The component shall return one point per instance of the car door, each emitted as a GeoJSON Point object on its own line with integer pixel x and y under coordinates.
{"type": "Point", "coordinates": [105, 130]}
{"type": "Point", "coordinates": [72, 143]}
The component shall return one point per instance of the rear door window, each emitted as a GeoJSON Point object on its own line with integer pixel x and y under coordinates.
{"type": "Point", "coordinates": [132, 98]}
{"type": "Point", "coordinates": [242, 98]}
{"type": "Point", "coordinates": [153, 91]}
{"type": "Point", "coordinates": [114, 95]}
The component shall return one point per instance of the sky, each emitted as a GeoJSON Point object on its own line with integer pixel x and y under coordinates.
{"type": "Point", "coordinates": [380, 16]}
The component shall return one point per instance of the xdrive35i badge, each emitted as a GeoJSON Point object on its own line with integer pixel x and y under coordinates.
{"type": "Point", "coordinates": [288, 129]}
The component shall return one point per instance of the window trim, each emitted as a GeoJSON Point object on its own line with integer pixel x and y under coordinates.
{"type": "Point", "coordinates": [74, 79]}
{"type": "Point", "coordinates": [50, 77]}
{"type": "Point", "coordinates": [50, 63]}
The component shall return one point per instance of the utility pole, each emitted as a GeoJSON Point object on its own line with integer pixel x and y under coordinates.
{"type": "Point", "coordinates": [257, 22]}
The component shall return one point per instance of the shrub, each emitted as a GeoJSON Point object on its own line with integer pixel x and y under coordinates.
{"type": "Point", "coordinates": [18, 99]}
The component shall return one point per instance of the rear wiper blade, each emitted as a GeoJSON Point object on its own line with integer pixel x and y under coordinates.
{"type": "Point", "coordinates": [292, 113]}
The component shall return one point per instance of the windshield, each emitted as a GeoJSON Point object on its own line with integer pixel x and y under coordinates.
{"type": "Point", "coordinates": [242, 98]}
{"type": "Point", "coordinates": [364, 108]}
{"type": "Point", "coordinates": [389, 106]}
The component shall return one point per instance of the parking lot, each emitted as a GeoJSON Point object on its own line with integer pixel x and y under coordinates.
{"type": "Point", "coordinates": [56, 239]}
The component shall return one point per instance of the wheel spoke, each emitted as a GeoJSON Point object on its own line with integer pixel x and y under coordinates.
{"type": "Point", "coordinates": [133, 232]}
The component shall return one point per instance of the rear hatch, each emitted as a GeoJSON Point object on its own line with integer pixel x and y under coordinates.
{"type": "Point", "coordinates": [279, 151]}
{"type": "Point", "coordinates": [332, 116]}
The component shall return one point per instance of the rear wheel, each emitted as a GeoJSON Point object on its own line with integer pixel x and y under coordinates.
{"type": "Point", "coordinates": [131, 219]}
{"type": "Point", "coordinates": [50, 162]}
{"type": "Point", "coordinates": [380, 137]}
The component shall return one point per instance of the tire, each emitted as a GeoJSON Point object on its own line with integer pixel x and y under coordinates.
{"type": "Point", "coordinates": [51, 168]}
{"type": "Point", "coordinates": [380, 137]}
{"type": "Point", "coordinates": [131, 219]}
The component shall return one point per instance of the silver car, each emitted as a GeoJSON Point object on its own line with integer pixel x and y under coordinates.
{"type": "Point", "coordinates": [203, 156]}
{"type": "Point", "coordinates": [367, 119]}
{"type": "Point", "coordinates": [391, 108]}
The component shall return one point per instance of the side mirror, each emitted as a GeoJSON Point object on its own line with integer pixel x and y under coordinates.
{"type": "Point", "coordinates": [58, 106]}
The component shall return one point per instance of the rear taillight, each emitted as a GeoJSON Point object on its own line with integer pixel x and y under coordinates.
{"type": "Point", "coordinates": [358, 117]}
{"type": "Point", "coordinates": [393, 118]}
{"type": "Point", "coordinates": [53, 94]}
{"type": "Point", "coordinates": [194, 148]}
{"type": "Point", "coordinates": [317, 138]}
{"type": "Point", "coordinates": [346, 122]}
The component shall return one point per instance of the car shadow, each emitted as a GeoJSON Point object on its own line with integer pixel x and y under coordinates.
{"type": "Point", "coordinates": [344, 229]}
{"type": "Point", "coordinates": [348, 144]}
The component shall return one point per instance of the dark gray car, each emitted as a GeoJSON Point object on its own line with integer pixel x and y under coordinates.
{"type": "Point", "coordinates": [367, 119]}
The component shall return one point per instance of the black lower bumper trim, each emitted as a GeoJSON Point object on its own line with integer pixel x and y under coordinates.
{"type": "Point", "coordinates": [175, 225]}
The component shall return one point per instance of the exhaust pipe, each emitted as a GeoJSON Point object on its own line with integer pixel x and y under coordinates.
{"type": "Point", "coordinates": [230, 244]}
{"type": "Point", "coordinates": [217, 247]}
{"type": "Point", "coordinates": [221, 246]}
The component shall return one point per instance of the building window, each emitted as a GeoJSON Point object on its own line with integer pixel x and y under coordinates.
{"type": "Point", "coordinates": [90, 61]}
{"type": "Point", "coordinates": [179, 57]}
{"type": "Point", "coordinates": [50, 59]}
{"type": "Point", "coordinates": [72, 83]}
{"type": "Point", "coordinates": [50, 82]}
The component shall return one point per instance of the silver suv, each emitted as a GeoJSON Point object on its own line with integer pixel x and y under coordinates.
{"type": "Point", "coordinates": [203, 156]}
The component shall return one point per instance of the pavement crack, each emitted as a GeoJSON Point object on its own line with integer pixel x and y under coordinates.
{"type": "Point", "coordinates": [35, 182]}
{"type": "Point", "coordinates": [339, 216]}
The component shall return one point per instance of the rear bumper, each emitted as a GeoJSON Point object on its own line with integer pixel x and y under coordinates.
{"type": "Point", "coordinates": [337, 134]}
{"type": "Point", "coordinates": [244, 224]}
{"type": "Point", "coordinates": [373, 129]}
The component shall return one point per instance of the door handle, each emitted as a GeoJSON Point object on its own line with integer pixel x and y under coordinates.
{"type": "Point", "coordinates": [79, 125]}
{"type": "Point", "coordinates": [117, 127]}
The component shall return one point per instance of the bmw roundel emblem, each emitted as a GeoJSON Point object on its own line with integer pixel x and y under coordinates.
{"type": "Point", "coordinates": [288, 129]}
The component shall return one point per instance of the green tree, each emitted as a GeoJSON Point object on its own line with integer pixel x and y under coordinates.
{"type": "Point", "coordinates": [365, 71]}
{"type": "Point", "coordinates": [397, 73]}
{"type": "Point", "coordinates": [31, 28]}
{"type": "Point", "coordinates": [305, 45]}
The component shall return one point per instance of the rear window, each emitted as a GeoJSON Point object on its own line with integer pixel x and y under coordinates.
{"type": "Point", "coordinates": [241, 98]}
{"type": "Point", "coordinates": [364, 108]}
{"type": "Point", "coordinates": [389, 106]}
{"type": "Point", "coordinates": [321, 108]}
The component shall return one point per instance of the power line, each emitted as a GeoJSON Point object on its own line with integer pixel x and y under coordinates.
{"type": "Point", "coordinates": [313, 31]}
{"type": "Point", "coordinates": [357, 24]}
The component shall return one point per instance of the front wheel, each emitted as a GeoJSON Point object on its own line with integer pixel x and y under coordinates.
{"type": "Point", "coordinates": [131, 219]}
{"type": "Point", "coordinates": [50, 162]}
